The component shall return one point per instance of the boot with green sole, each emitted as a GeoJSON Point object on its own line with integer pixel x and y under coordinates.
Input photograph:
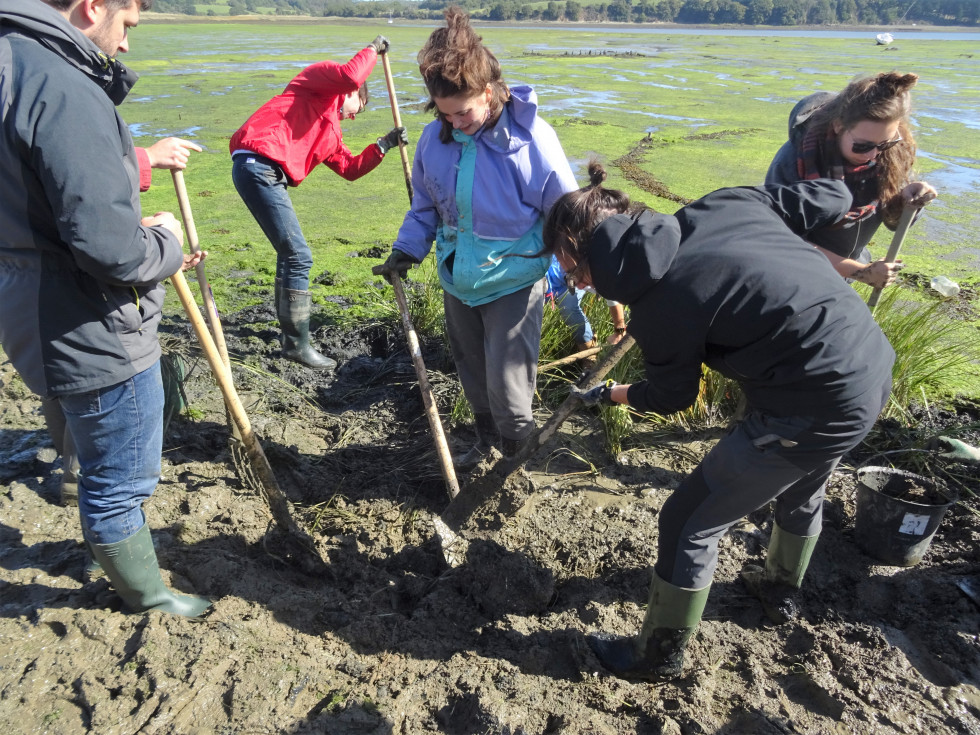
{"type": "Point", "coordinates": [778, 585]}
{"type": "Point", "coordinates": [132, 569]}
{"type": "Point", "coordinates": [657, 653]}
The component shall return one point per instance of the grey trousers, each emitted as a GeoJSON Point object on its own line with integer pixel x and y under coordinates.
{"type": "Point", "coordinates": [495, 347]}
{"type": "Point", "coordinates": [761, 459]}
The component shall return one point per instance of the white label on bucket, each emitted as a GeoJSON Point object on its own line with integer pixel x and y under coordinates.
{"type": "Point", "coordinates": [914, 525]}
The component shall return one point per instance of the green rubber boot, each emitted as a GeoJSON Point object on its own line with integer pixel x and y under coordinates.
{"type": "Point", "coordinates": [777, 586]}
{"type": "Point", "coordinates": [131, 566]}
{"type": "Point", "coordinates": [657, 653]}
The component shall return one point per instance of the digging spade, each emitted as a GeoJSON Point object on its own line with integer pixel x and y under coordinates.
{"type": "Point", "coordinates": [428, 399]}
{"type": "Point", "coordinates": [486, 488]}
{"type": "Point", "coordinates": [270, 489]}
{"type": "Point", "coordinates": [239, 455]}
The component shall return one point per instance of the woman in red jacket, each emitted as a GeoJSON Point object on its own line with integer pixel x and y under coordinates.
{"type": "Point", "coordinates": [278, 147]}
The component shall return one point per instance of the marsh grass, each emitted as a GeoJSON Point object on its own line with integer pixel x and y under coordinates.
{"type": "Point", "coordinates": [933, 353]}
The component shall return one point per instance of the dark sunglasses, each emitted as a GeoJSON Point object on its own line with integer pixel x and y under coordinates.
{"type": "Point", "coordinates": [864, 147]}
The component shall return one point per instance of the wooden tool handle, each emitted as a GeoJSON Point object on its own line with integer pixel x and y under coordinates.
{"type": "Point", "coordinates": [202, 280]}
{"type": "Point", "coordinates": [402, 148]}
{"type": "Point", "coordinates": [908, 214]}
{"type": "Point", "coordinates": [428, 400]}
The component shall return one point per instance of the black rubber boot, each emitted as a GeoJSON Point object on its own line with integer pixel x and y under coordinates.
{"type": "Point", "coordinates": [64, 445]}
{"type": "Point", "coordinates": [131, 566]}
{"type": "Point", "coordinates": [510, 447]}
{"type": "Point", "coordinates": [294, 320]}
{"type": "Point", "coordinates": [486, 437]}
{"type": "Point", "coordinates": [275, 303]}
{"type": "Point", "coordinates": [657, 653]}
{"type": "Point", "coordinates": [778, 585]}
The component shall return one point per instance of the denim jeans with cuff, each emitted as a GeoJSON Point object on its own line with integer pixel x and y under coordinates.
{"type": "Point", "coordinates": [118, 433]}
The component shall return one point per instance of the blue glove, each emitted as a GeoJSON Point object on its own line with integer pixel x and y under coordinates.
{"type": "Point", "coordinates": [600, 394]}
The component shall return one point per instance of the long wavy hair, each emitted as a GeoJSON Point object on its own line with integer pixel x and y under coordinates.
{"type": "Point", "coordinates": [884, 98]}
{"type": "Point", "coordinates": [454, 62]}
{"type": "Point", "coordinates": [576, 214]}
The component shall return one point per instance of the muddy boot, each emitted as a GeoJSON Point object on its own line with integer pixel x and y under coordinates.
{"type": "Point", "coordinates": [131, 566]}
{"type": "Point", "coordinates": [586, 363]}
{"type": "Point", "coordinates": [778, 585]}
{"type": "Point", "coordinates": [69, 493]}
{"type": "Point", "coordinates": [486, 437]}
{"type": "Point", "coordinates": [510, 447]}
{"type": "Point", "coordinates": [294, 320]}
{"type": "Point", "coordinates": [657, 653]}
{"type": "Point", "coordinates": [92, 567]}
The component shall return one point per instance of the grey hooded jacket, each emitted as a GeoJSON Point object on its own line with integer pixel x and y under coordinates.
{"type": "Point", "coordinates": [80, 277]}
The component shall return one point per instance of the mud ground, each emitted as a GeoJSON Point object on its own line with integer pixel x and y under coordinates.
{"type": "Point", "coordinates": [387, 638]}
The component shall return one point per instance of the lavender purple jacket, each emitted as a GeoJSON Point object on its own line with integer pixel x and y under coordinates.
{"type": "Point", "coordinates": [504, 181]}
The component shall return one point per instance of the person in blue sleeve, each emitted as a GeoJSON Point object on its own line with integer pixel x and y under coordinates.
{"type": "Point", "coordinates": [486, 172]}
{"type": "Point", "coordinates": [568, 302]}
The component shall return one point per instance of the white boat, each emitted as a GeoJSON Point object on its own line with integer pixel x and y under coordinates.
{"type": "Point", "coordinates": [883, 39]}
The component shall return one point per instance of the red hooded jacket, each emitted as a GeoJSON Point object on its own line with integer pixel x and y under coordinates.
{"type": "Point", "coordinates": [300, 128]}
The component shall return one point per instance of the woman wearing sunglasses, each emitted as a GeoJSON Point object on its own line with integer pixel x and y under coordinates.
{"type": "Point", "coordinates": [862, 137]}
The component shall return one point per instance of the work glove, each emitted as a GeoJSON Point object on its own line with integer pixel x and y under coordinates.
{"type": "Point", "coordinates": [958, 450]}
{"type": "Point", "coordinates": [399, 262]}
{"type": "Point", "coordinates": [600, 394]}
{"type": "Point", "coordinates": [380, 44]}
{"type": "Point", "coordinates": [392, 139]}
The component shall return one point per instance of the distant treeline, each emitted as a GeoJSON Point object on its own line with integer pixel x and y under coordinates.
{"type": "Point", "coordinates": [749, 12]}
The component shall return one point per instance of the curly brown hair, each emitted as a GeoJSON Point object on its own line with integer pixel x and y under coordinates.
{"type": "Point", "coordinates": [885, 98]}
{"type": "Point", "coordinates": [454, 62]}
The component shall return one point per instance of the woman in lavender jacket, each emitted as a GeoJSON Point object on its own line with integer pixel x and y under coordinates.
{"type": "Point", "coordinates": [486, 172]}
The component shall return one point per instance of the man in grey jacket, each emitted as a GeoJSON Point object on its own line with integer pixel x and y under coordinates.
{"type": "Point", "coordinates": [81, 270]}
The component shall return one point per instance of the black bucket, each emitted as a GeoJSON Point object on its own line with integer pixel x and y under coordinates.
{"type": "Point", "coordinates": [894, 531]}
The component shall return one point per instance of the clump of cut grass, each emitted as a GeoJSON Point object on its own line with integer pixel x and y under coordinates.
{"type": "Point", "coordinates": [617, 425]}
{"type": "Point", "coordinates": [933, 352]}
{"type": "Point", "coordinates": [424, 296]}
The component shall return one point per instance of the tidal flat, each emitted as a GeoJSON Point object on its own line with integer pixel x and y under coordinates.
{"type": "Point", "coordinates": [672, 116]}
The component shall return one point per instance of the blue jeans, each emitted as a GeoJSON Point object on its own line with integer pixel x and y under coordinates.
{"type": "Point", "coordinates": [263, 187]}
{"type": "Point", "coordinates": [570, 307]}
{"type": "Point", "coordinates": [118, 433]}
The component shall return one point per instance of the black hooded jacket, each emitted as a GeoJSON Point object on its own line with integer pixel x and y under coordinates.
{"type": "Point", "coordinates": [729, 282]}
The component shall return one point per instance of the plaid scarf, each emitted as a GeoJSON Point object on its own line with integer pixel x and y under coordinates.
{"type": "Point", "coordinates": [820, 158]}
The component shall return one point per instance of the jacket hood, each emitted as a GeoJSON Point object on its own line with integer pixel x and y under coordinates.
{"type": "Point", "coordinates": [513, 129]}
{"type": "Point", "coordinates": [629, 254]}
{"type": "Point", "coordinates": [48, 27]}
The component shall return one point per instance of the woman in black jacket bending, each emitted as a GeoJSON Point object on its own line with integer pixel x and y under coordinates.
{"type": "Point", "coordinates": [720, 283]}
